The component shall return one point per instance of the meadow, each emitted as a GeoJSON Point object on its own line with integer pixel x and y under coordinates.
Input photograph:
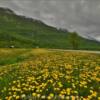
{"type": "Point", "coordinates": [40, 74]}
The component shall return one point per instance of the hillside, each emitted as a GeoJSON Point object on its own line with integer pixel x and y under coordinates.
{"type": "Point", "coordinates": [25, 32]}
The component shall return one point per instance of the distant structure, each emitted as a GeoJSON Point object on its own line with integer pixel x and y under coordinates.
{"type": "Point", "coordinates": [37, 47]}
{"type": "Point", "coordinates": [12, 46]}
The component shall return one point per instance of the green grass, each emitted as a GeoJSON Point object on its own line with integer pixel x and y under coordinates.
{"type": "Point", "coordinates": [10, 56]}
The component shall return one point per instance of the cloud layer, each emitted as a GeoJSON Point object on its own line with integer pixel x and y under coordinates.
{"type": "Point", "coordinates": [82, 16]}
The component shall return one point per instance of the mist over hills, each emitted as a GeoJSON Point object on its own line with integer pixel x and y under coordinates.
{"type": "Point", "coordinates": [75, 15]}
{"type": "Point", "coordinates": [23, 32]}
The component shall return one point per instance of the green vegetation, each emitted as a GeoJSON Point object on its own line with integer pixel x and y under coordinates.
{"type": "Point", "coordinates": [74, 40]}
{"type": "Point", "coordinates": [10, 56]}
{"type": "Point", "coordinates": [25, 32]}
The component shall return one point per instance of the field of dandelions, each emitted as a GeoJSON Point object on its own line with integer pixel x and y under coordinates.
{"type": "Point", "coordinates": [52, 75]}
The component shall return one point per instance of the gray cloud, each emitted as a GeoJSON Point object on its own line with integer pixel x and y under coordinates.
{"type": "Point", "coordinates": [82, 16]}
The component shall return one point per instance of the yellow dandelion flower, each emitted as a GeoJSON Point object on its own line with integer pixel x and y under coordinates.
{"type": "Point", "coordinates": [23, 96]}
{"type": "Point", "coordinates": [49, 97]}
{"type": "Point", "coordinates": [34, 94]}
{"type": "Point", "coordinates": [17, 97]}
{"type": "Point", "coordinates": [43, 97]}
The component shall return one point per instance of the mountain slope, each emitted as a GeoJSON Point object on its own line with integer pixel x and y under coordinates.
{"type": "Point", "coordinates": [26, 32]}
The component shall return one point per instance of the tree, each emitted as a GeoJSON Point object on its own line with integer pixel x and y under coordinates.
{"type": "Point", "coordinates": [74, 40]}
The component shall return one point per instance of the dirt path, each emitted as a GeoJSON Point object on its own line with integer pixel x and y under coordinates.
{"type": "Point", "coordinates": [86, 51]}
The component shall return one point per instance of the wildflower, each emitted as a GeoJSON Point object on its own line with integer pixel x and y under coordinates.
{"type": "Point", "coordinates": [98, 98]}
{"type": "Point", "coordinates": [67, 98]}
{"type": "Point", "coordinates": [17, 97]}
{"type": "Point", "coordinates": [51, 95]}
{"type": "Point", "coordinates": [23, 95]}
{"type": "Point", "coordinates": [68, 90]}
{"type": "Point", "coordinates": [43, 97]}
{"type": "Point", "coordinates": [60, 84]}
{"type": "Point", "coordinates": [38, 95]}
{"type": "Point", "coordinates": [91, 91]}
{"type": "Point", "coordinates": [73, 97]}
{"type": "Point", "coordinates": [34, 94]}
{"type": "Point", "coordinates": [94, 94]}
{"type": "Point", "coordinates": [62, 96]}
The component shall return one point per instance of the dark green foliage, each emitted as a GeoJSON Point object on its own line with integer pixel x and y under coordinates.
{"type": "Point", "coordinates": [74, 40]}
{"type": "Point", "coordinates": [25, 32]}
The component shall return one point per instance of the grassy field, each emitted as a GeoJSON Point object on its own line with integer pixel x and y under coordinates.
{"type": "Point", "coordinates": [10, 56]}
{"type": "Point", "coordinates": [35, 74]}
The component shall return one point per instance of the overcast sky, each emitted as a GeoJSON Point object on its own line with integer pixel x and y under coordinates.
{"type": "Point", "coordinates": [82, 16]}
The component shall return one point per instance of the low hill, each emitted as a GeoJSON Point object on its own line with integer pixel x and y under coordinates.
{"type": "Point", "coordinates": [23, 32]}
